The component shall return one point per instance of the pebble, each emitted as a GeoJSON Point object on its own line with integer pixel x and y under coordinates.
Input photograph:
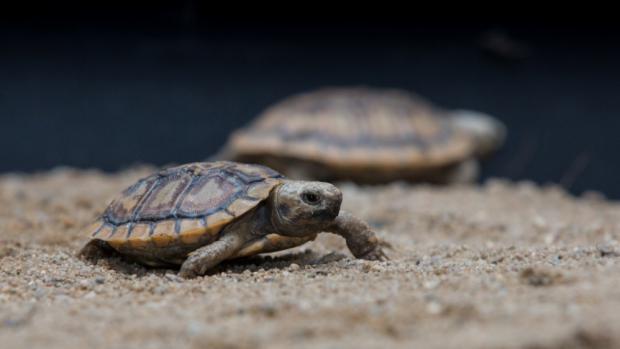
{"type": "Point", "coordinates": [607, 250]}
{"type": "Point", "coordinates": [431, 284]}
{"type": "Point", "coordinates": [434, 308]}
{"type": "Point", "coordinates": [85, 284]}
{"type": "Point", "coordinates": [195, 328]}
{"type": "Point", "coordinates": [39, 292]}
{"type": "Point", "coordinates": [174, 277]}
{"type": "Point", "coordinates": [160, 290]}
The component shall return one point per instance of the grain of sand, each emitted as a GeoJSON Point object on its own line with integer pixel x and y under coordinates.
{"type": "Point", "coordinates": [503, 265]}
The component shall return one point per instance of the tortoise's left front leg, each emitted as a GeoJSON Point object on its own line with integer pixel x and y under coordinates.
{"type": "Point", "coordinates": [271, 243]}
{"type": "Point", "coordinates": [361, 240]}
{"type": "Point", "coordinates": [206, 257]}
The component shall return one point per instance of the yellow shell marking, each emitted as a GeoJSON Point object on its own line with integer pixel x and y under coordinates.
{"type": "Point", "coordinates": [261, 189]}
{"type": "Point", "coordinates": [217, 221]}
{"type": "Point", "coordinates": [191, 230]}
{"type": "Point", "coordinates": [164, 233]}
{"type": "Point", "coordinates": [140, 236]}
{"type": "Point", "coordinates": [105, 232]}
{"type": "Point", "coordinates": [119, 238]}
{"type": "Point", "coordinates": [94, 228]}
{"type": "Point", "coordinates": [241, 206]}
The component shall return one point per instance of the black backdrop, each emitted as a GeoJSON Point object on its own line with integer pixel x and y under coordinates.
{"type": "Point", "coordinates": [111, 85]}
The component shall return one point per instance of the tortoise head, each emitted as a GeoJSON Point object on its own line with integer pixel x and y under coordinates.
{"type": "Point", "coordinates": [301, 208]}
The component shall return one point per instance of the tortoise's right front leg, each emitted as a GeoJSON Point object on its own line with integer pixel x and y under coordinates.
{"type": "Point", "coordinates": [361, 240]}
{"type": "Point", "coordinates": [206, 257]}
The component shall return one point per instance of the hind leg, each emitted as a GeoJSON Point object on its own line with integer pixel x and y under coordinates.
{"type": "Point", "coordinates": [95, 250]}
{"type": "Point", "coordinates": [271, 243]}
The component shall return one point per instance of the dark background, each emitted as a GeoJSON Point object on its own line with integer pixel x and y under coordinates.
{"type": "Point", "coordinates": [109, 85]}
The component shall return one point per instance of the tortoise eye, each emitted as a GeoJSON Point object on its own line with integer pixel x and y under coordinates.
{"type": "Point", "coordinates": [311, 198]}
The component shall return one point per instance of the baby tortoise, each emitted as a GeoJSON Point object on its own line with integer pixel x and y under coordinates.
{"type": "Point", "coordinates": [368, 136]}
{"type": "Point", "coordinates": [200, 214]}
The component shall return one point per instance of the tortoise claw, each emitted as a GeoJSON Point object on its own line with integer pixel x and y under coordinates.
{"type": "Point", "coordinates": [376, 254]}
{"type": "Point", "coordinates": [187, 274]}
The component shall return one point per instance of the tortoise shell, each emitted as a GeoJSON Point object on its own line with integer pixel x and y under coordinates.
{"type": "Point", "coordinates": [354, 128]}
{"type": "Point", "coordinates": [183, 207]}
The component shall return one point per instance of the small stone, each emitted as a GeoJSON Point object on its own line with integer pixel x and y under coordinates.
{"type": "Point", "coordinates": [62, 298]}
{"type": "Point", "coordinates": [39, 292]}
{"type": "Point", "coordinates": [135, 286]}
{"type": "Point", "coordinates": [550, 238]}
{"type": "Point", "coordinates": [540, 277]}
{"type": "Point", "coordinates": [173, 277]}
{"type": "Point", "coordinates": [366, 266]}
{"type": "Point", "coordinates": [376, 267]}
{"type": "Point", "coordinates": [294, 267]}
{"type": "Point", "coordinates": [85, 284]}
{"type": "Point", "coordinates": [434, 308]}
{"type": "Point", "coordinates": [607, 250]}
{"type": "Point", "coordinates": [195, 328]}
{"type": "Point", "coordinates": [268, 310]}
{"type": "Point", "coordinates": [431, 284]}
{"type": "Point", "coordinates": [160, 290]}
{"type": "Point", "coordinates": [539, 222]}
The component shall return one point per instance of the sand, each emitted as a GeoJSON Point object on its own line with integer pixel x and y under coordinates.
{"type": "Point", "coordinates": [502, 265]}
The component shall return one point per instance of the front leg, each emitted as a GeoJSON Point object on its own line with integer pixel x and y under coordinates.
{"type": "Point", "coordinates": [271, 243]}
{"type": "Point", "coordinates": [361, 240]}
{"type": "Point", "coordinates": [206, 257]}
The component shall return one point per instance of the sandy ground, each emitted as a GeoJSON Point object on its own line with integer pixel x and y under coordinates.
{"type": "Point", "coordinates": [508, 265]}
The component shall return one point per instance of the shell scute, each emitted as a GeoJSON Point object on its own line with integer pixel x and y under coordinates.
{"type": "Point", "coordinates": [241, 205]}
{"type": "Point", "coordinates": [164, 233]}
{"type": "Point", "coordinates": [163, 198]}
{"type": "Point", "coordinates": [122, 209]}
{"type": "Point", "coordinates": [105, 231]}
{"type": "Point", "coordinates": [207, 194]}
{"type": "Point", "coordinates": [217, 221]}
{"type": "Point", "coordinates": [119, 236]}
{"type": "Point", "coordinates": [139, 236]}
{"type": "Point", "coordinates": [192, 230]}
{"type": "Point", "coordinates": [95, 228]}
{"type": "Point", "coordinates": [250, 173]}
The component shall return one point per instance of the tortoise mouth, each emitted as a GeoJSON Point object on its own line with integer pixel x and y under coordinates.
{"type": "Point", "coordinates": [327, 214]}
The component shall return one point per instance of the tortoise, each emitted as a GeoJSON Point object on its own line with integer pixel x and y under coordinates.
{"type": "Point", "coordinates": [199, 214]}
{"type": "Point", "coordinates": [366, 135]}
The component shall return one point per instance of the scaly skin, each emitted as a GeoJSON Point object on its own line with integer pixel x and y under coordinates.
{"type": "Point", "coordinates": [361, 240]}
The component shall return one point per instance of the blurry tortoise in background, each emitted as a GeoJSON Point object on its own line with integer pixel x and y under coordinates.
{"type": "Point", "coordinates": [200, 214]}
{"type": "Point", "coordinates": [367, 136]}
